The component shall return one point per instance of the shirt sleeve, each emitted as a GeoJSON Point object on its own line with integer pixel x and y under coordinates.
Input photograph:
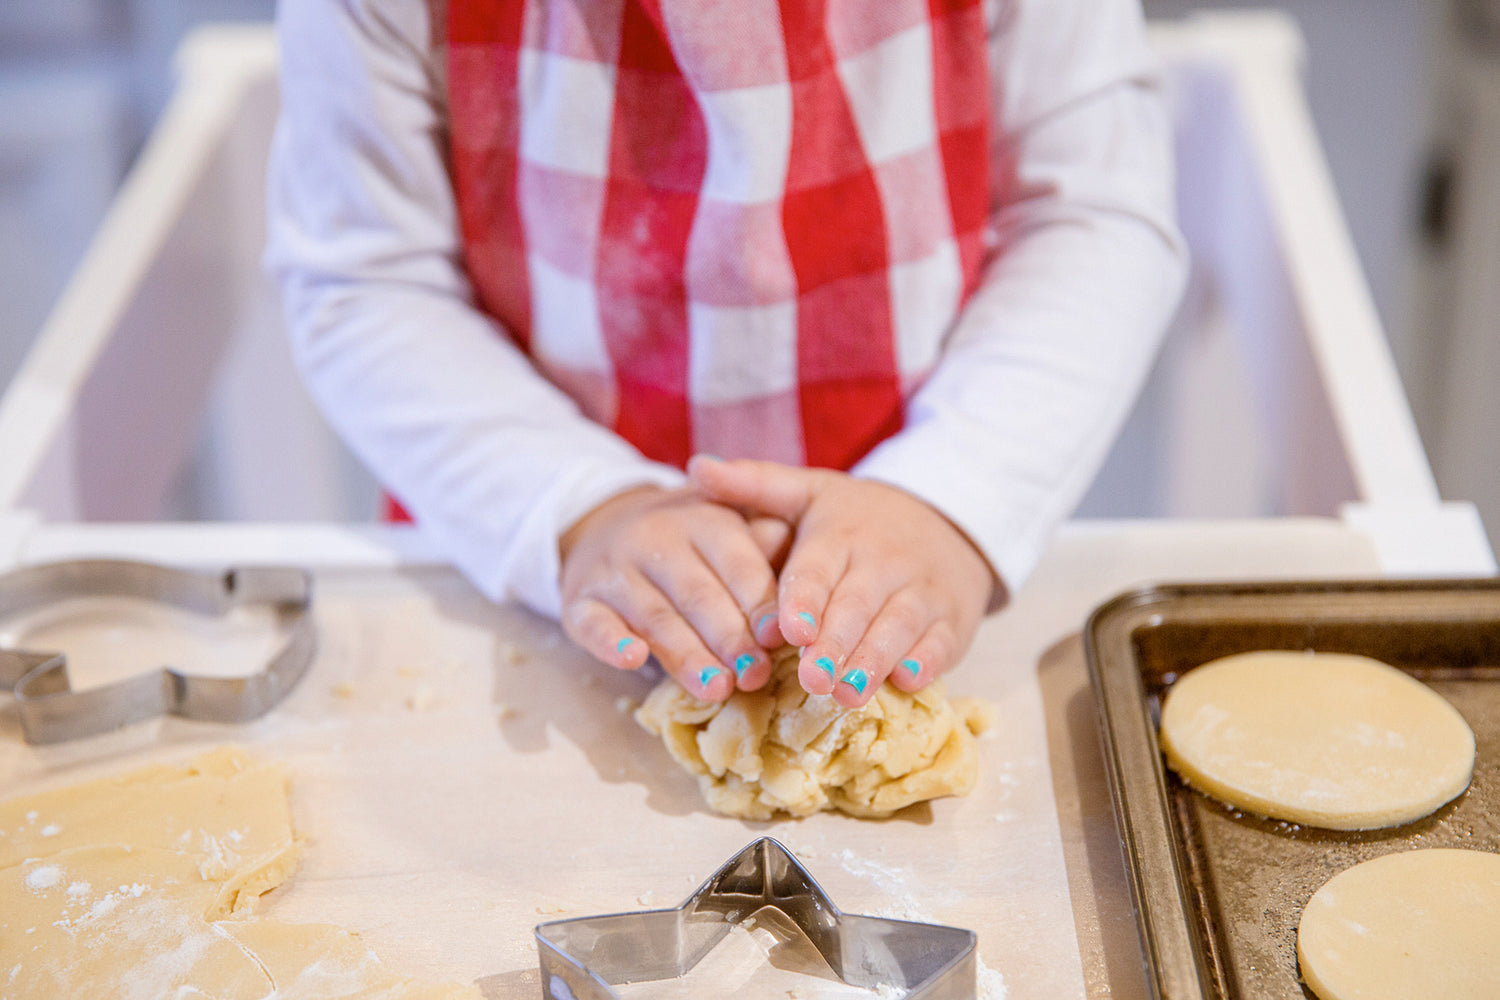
{"type": "Point", "coordinates": [489, 457]}
{"type": "Point", "coordinates": [1048, 354]}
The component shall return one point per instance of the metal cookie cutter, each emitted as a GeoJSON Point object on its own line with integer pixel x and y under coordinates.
{"type": "Point", "coordinates": [580, 959]}
{"type": "Point", "coordinates": [51, 711]}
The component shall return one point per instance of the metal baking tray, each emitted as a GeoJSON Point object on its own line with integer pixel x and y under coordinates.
{"type": "Point", "coordinates": [1218, 893]}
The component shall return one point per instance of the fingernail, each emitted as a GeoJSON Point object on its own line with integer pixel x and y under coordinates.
{"type": "Point", "coordinates": [742, 663]}
{"type": "Point", "coordinates": [807, 617]}
{"type": "Point", "coordinates": [857, 679]}
{"type": "Point", "coordinates": [913, 666]}
{"type": "Point", "coordinates": [824, 664]}
{"type": "Point", "coordinates": [769, 617]}
{"type": "Point", "coordinates": [620, 646]}
{"type": "Point", "coordinates": [707, 675]}
{"type": "Point", "coordinates": [711, 458]}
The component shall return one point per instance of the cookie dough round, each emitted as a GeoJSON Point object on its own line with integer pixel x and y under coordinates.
{"type": "Point", "coordinates": [1326, 739]}
{"type": "Point", "coordinates": [780, 750]}
{"type": "Point", "coordinates": [1406, 926]}
{"type": "Point", "coordinates": [144, 885]}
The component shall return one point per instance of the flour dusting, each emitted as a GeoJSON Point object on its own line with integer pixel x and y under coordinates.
{"type": "Point", "coordinates": [102, 908]}
{"type": "Point", "coordinates": [43, 877]}
{"type": "Point", "coordinates": [989, 983]}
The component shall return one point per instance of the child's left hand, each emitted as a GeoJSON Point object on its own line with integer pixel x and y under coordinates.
{"type": "Point", "coordinates": [877, 583]}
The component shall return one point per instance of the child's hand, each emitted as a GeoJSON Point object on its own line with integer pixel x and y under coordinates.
{"type": "Point", "coordinates": [652, 571]}
{"type": "Point", "coordinates": [877, 583]}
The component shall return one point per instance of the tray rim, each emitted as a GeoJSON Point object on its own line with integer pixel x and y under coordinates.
{"type": "Point", "coordinates": [1177, 966]}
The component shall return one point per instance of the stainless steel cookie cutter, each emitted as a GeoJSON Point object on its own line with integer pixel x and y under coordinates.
{"type": "Point", "coordinates": [51, 711]}
{"type": "Point", "coordinates": [581, 959]}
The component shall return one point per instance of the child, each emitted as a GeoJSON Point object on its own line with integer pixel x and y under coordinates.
{"type": "Point", "coordinates": [902, 264]}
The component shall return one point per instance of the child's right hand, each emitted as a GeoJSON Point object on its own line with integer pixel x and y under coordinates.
{"type": "Point", "coordinates": [667, 572]}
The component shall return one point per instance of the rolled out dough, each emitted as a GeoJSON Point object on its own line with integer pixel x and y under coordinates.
{"type": "Point", "coordinates": [1327, 739]}
{"type": "Point", "coordinates": [1409, 926]}
{"type": "Point", "coordinates": [143, 886]}
{"type": "Point", "coordinates": [782, 750]}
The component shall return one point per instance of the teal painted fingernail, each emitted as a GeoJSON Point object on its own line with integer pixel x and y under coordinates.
{"type": "Point", "coordinates": [857, 679]}
{"type": "Point", "coordinates": [620, 646]}
{"type": "Point", "coordinates": [824, 664]}
{"type": "Point", "coordinates": [706, 676]}
{"type": "Point", "coordinates": [807, 617]}
{"type": "Point", "coordinates": [763, 619]}
{"type": "Point", "coordinates": [742, 663]}
{"type": "Point", "coordinates": [913, 666]}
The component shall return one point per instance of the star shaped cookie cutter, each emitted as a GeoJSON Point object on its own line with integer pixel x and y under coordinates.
{"type": "Point", "coordinates": [51, 711]}
{"type": "Point", "coordinates": [582, 958]}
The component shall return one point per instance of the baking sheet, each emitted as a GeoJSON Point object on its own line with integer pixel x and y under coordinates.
{"type": "Point", "coordinates": [1219, 893]}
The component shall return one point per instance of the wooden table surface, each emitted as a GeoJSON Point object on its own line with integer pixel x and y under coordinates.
{"type": "Point", "coordinates": [461, 773]}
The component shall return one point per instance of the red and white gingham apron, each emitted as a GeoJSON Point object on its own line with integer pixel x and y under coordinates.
{"type": "Point", "coordinates": [738, 227]}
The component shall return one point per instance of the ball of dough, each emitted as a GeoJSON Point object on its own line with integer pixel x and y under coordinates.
{"type": "Point", "coordinates": [1408, 926]}
{"type": "Point", "coordinates": [1327, 739]}
{"type": "Point", "coordinates": [782, 750]}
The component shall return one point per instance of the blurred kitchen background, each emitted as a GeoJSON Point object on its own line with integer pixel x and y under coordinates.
{"type": "Point", "coordinates": [1405, 95]}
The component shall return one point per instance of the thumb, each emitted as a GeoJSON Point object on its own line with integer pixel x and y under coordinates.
{"type": "Point", "coordinates": [765, 488]}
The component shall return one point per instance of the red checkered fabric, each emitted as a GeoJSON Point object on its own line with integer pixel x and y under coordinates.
{"type": "Point", "coordinates": [738, 228]}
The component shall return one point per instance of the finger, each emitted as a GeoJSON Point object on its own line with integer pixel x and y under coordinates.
{"type": "Point", "coordinates": [853, 608]}
{"type": "Point", "coordinates": [755, 487]}
{"type": "Point", "coordinates": [677, 646]}
{"type": "Point", "coordinates": [701, 597]}
{"type": "Point", "coordinates": [741, 568]}
{"type": "Point", "coordinates": [812, 570]}
{"type": "Point", "coordinates": [745, 574]}
{"type": "Point", "coordinates": [810, 587]}
{"type": "Point", "coordinates": [895, 629]}
{"type": "Point", "coordinates": [766, 628]}
{"type": "Point", "coordinates": [929, 657]}
{"type": "Point", "coordinates": [597, 628]}
{"type": "Point", "coordinates": [773, 537]}
{"type": "Point", "coordinates": [817, 674]}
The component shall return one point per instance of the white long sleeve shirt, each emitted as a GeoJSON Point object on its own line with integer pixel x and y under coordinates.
{"type": "Point", "coordinates": [1009, 394]}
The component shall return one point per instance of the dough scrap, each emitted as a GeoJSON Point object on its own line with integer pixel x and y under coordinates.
{"type": "Point", "coordinates": [142, 885]}
{"type": "Point", "coordinates": [1326, 739]}
{"type": "Point", "coordinates": [782, 750]}
{"type": "Point", "coordinates": [221, 806]}
{"type": "Point", "coordinates": [1406, 926]}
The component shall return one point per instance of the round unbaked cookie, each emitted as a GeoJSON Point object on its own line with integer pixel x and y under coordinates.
{"type": "Point", "coordinates": [1326, 739]}
{"type": "Point", "coordinates": [1408, 926]}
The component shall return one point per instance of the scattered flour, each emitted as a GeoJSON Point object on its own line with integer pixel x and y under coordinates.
{"type": "Point", "coordinates": [103, 907]}
{"type": "Point", "coordinates": [51, 830]}
{"type": "Point", "coordinates": [990, 983]}
{"type": "Point", "coordinates": [892, 884]}
{"type": "Point", "coordinates": [43, 877]}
